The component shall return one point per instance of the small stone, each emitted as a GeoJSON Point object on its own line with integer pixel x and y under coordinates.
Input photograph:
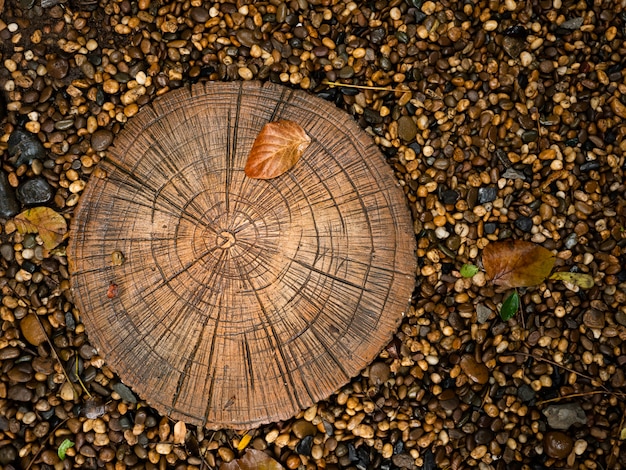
{"type": "Point", "coordinates": [526, 393]}
{"type": "Point", "coordinates": [407, 130]}
{"type": "Point", "coordinates": [565, 415]}
{"type": "Point", "coordinates": [403, 461]}
{"type": "Point", "coordinates": [8, 204]}
{"type": "Point", "coordinates": [8, 454]}
{"type": "Point", "coordinates": [379, 373]}
{"type": "Point", "coordinates": [512, 46]}
{"type": "Point", "coordinates": [572, 24]}
{"type": "Point", "coordinates": [35, 191]}
{"type": "Point", "coordinates": [57, 68]}
{"type": "Point", "coordinates": [124, 392]}
{"type": "Point", "coordinates": [7, 252]}
{"type": "Point", "coordinates": [101, 139]}
{"type": "Point", "coordinates": [594, 319]}
{"type": "Point", "coordinates": [530, 136]}
{"type": "Point", "coordinates": [304, 446]}
{"type": "Point", "coordinates": [19, 393]}
{"type": "Point", "coordinates": [199, 14]}
{"type": "Point", "coordinates": [449, 196]}
{"type": "Point", "coordinates": [448, 400]}
{"type": "Point", "coordinates": [474, 370]}
{"type": "Point", "coordinates": [302, 428]}
{"type": "Point", "coordinates": [32, 330]}
{"type": "Point", "coordinates": [26, 146]}
{"type": "Point", "coordinates": [488, 194]}
{"type": "Point", "coordinates": [483, 313]}
{"type": "Point", "coordinates": [525, 224]}
{"type": "Point", "coordinates": [570, 241]}
{"type": "Point", "coordinates": [557, 444]}
{"type": "Point", "coordinates": [164, 448]}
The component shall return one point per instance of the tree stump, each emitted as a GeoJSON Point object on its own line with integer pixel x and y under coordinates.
{"type": "Point", "coordinates": [226, 301]}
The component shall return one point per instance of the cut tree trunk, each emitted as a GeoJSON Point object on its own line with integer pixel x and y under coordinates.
{"type": "Point", "coordinates": [240, 301]}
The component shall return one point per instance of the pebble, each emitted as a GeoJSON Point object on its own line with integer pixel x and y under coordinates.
{"type": "Point", "coordinates": [483, 313]}
{"type": "Point", "coordinates": [407, 129]}
{"type": "Point", "coordinates": [488, 194]}
{"type": "Point", "coordinates": [25, 146]}
{"type": "Point", "coordinates": [557, 444]}
{"type": "Point", "coordinates": [19, 393]}
{"type": "Point", "coordinates": [379, 373]}
{"type": "Point", "coordinates": [8, 204]}
{"type": "Point", "coordinates": [101, 139]}
{"type": "Point", "coordinates": [35, 191]}
{"type": "Point", "coordinates": [57, 68]}
{"type": "Point", "coordinates": [124, 392]}
{"type": "Point", "coordinates": [563, 416]}
{"type": "Point", "coordinates": [199, 14]}
{"type": "Point", "coordinates": [573, 23]}
{"type": "Point", "coordinates": [302, 428]}
{"type": "Point", "coordinates": [525, 224]}
{"type": "Point", "coordinates": [31, 329]}
{"type": "Point", "coordinates": [594, 319]}
{"type": "Point", "coordinates": [476, 371]}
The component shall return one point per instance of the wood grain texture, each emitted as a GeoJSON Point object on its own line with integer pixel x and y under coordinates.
{"type": "Point", "coordinates": [240, 301]}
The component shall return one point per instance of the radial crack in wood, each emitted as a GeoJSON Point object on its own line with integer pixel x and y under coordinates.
{"type": "Point", "coordinates": [240, 301]}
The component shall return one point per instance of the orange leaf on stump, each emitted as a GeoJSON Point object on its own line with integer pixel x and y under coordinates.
{"type": "Point", "coordinates": [276, 149]}
{"type": "Point", "coordinates": [517, 263]}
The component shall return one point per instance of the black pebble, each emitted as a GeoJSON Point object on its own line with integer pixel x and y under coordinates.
{"type": "Point", "coordinates": [26, 147]}
{"type": "Point", "coordinates": [305, 445]}
{"type": "Point", "coordinates": [8, 204]}
{"type": "Point", "coordinates": [525, 224]}
{"type": "Point", "coordinates": [487, 194]}
{"type": "Point", "coordinates": [35, 191]}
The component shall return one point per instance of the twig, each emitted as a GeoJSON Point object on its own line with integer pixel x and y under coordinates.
{"type": "Point", "coordinates": [361, 87]}
{"type": "Point", "coordinates": [30, 464]}
{"type": "Point", "coordinates": [554, 364]}
{"type": "Point", "coordinates": [581, 394]}
{"type": "Point", "coordinates": [54, 351]}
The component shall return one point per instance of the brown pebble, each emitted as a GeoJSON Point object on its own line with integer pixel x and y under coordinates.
{"type": "Point", "coordinates": [199, 14]}
{"type": "Point", "coordinates": [557, 445]}
{"type": "Point", "coordinates": [379, 373]}
{"type": "Point", "coordinates": [407, 130]}
{"type": "Point", "coordinates": [57, 68]}
{"type": "Point", "coordinates": [594, 319]}
{"type": "Point", "coordinates": [474, 370]}
{"type": "Point", "coordinates": [101, 139]}
{"type": "Point", "coordinates": [303, 428]}
{"type": "Point", "coordinates": [31, 330]}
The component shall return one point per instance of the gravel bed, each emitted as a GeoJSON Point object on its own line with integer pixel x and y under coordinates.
{"type": "Point", "coordinates": [501, 119]}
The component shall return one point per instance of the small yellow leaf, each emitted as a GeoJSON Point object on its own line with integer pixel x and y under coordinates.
{"type": "Point", "coordinates": [50, 225]}
{"type": "Point", "coordinates": [622, 434]}
{"type": "Point", "coordinates": [243, 443]}
{"type": "Point", "coordinates": [584, 281]}
{"type": "Point", "coordinates": [276, 149]}
{"type": "Point", "coordinates": [180, 432]}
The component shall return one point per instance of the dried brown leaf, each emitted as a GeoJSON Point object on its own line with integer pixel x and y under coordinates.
{"type": "Point", "coordinates": [253, 460]}
{"type": "Point", "coordinates": [276, 149]}
{"type": "Point", "coordinates": [180, 432]}
{"type": "Point", "coordinates": [517, 263]}
{"type": "Point", "coordinates": [50, 225]}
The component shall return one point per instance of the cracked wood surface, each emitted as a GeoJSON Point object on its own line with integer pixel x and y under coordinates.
{"type": "Point", "coordinates": [240, 301]}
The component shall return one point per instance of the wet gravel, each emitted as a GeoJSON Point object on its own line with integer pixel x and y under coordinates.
{"type": "Point", "coordinates": [500, 120]}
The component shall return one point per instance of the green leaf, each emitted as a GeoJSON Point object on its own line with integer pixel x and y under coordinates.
{"type": "Point", "coordinates": [66, 444]}
{"type": "Point", "coordinates": [510, 306]}
{"type": "Point", "coordinates": [584, 281]}
{"type": "Point", "coordinates": [469, 270]}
